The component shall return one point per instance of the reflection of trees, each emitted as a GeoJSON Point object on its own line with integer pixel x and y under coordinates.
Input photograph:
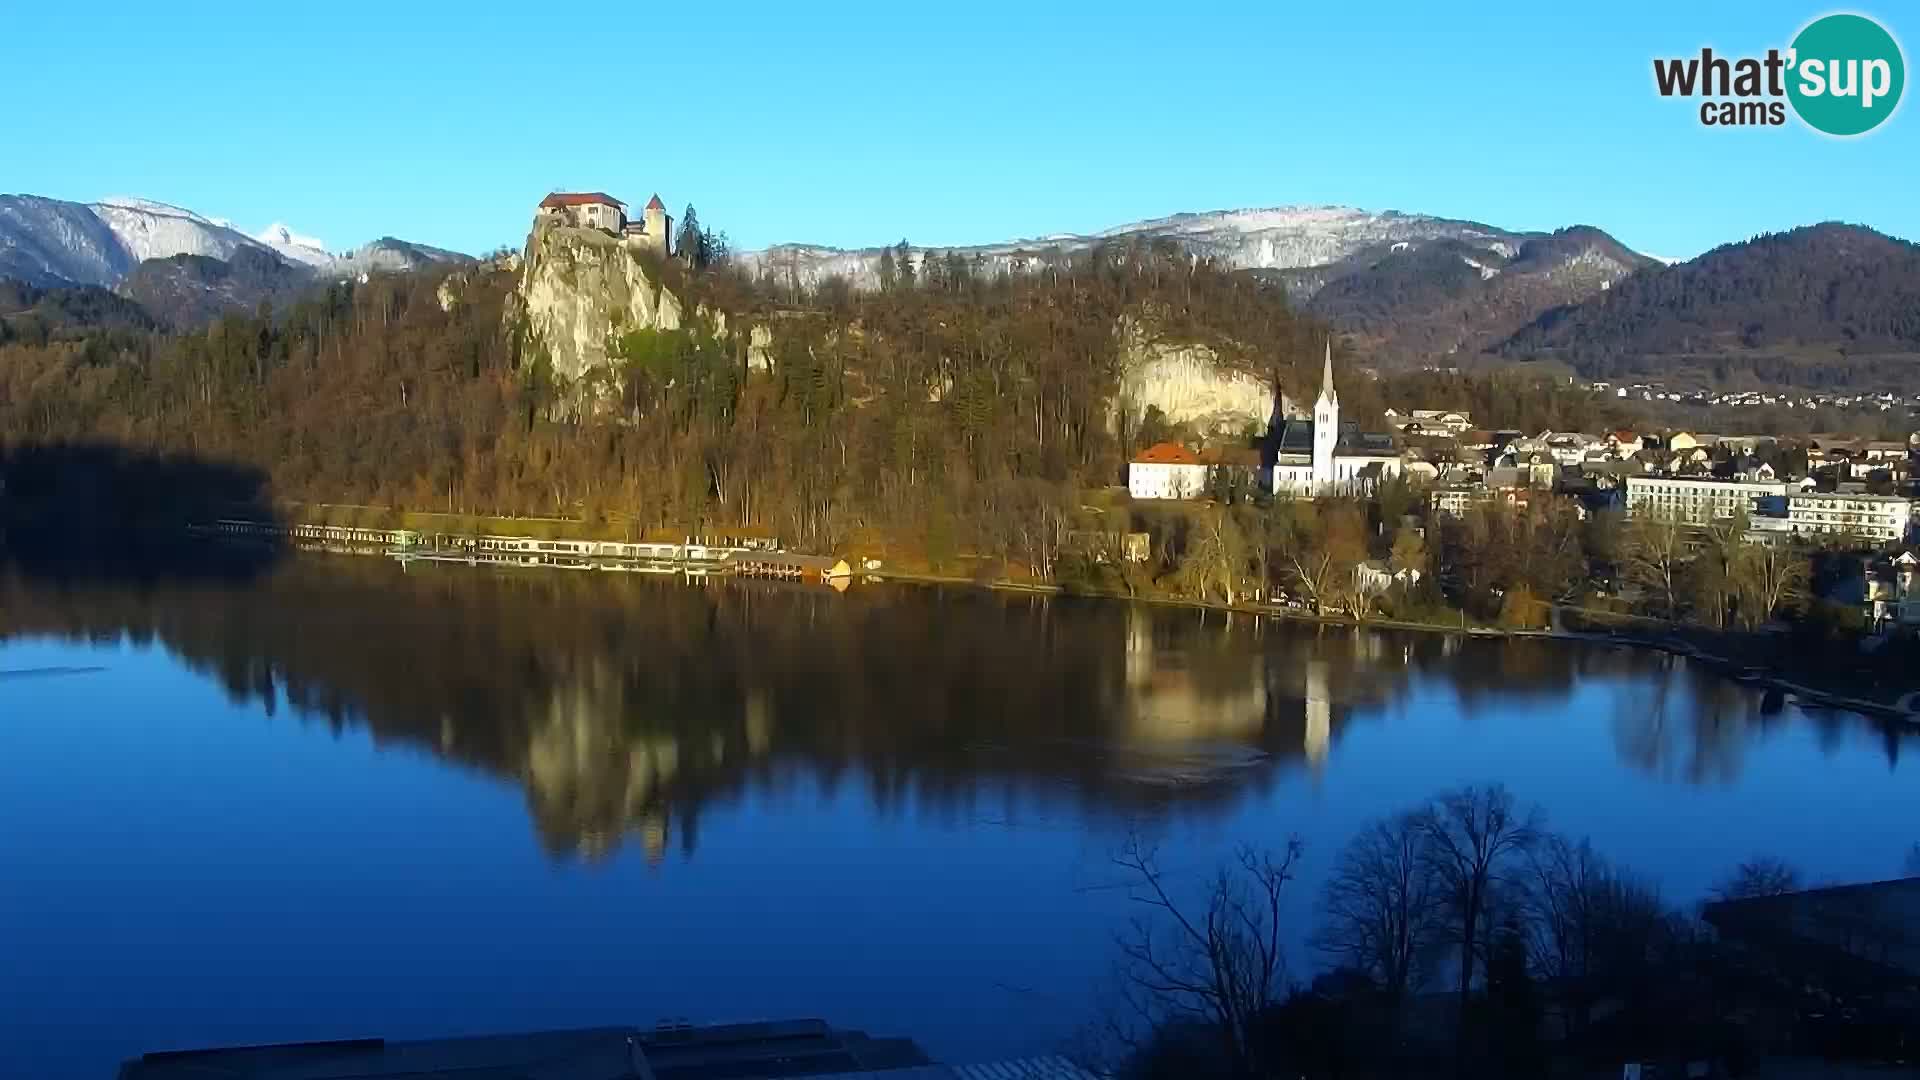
{"type": "Point", "coordinates": [625, 705]}
{"type": "Point", "coordinates": [1682, 722]}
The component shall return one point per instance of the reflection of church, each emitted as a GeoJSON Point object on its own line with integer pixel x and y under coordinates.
{"type": "Point", "coordinates": [1319, 714]}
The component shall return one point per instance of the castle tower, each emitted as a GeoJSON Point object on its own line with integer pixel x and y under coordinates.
{"type": "Point", "coordinates": [1326, 428]}
{"type": "Point", "coordinates": [659, 224]}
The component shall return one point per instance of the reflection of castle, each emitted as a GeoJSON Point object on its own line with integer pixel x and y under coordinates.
{"type": "Point", "coordinates": [1169, 697]}
{"type": "Point", "coordinates": [626, 709]}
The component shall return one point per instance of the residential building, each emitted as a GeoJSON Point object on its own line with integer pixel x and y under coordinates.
{"type": "Point", "coordinates": [1893, 592]}
{"type": "Point", "coordinates": [1457, 499]}
{"type": "Point", "coordinates": [1429, 422]}
{"type": "Point", "coordinates": [1166, 471]}
{"type": "Point", "coordinates": [1697, 500]}
{"type": "Point", "coordinates": [1233, 473]}
{"type": "Point", "coordinates": [1885, 519]}
{"type": "Point", "coordinates": [1872, 930]}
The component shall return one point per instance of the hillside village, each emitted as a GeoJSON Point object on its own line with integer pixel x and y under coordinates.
{"type": "Point", "coordinates": [1786, 490]}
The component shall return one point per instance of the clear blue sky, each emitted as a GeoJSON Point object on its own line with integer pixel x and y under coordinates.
{"type": "Point", "coordinates": [944, 124]}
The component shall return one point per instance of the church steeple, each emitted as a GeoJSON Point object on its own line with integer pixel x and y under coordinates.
{"type": "Point", "coordinates": [1326, 430]}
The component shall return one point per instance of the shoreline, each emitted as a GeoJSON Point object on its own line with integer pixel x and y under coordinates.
{"type": "Point", "coordinates": [1722, 665]}
{"type": "Point", "coordinates": [1663, 639]}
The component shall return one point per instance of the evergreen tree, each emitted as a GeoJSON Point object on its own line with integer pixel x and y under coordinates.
{"type": "Point", "coordinates": [688, 244]}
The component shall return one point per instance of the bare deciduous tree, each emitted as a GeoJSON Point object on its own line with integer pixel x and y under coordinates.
{"type": "Point", "coordinates": [1655, 546]}
{"type": "Point", "coordinates": [1378, 911]}
{"type": "Point", "coordinates": [1472, 839]}
{"type": "Point", "coordinates": [1591, 927]}
{"type": "Point", "coordinates": [1762, 875]}
{"type": "Point", "coordinates": [1218, 966]}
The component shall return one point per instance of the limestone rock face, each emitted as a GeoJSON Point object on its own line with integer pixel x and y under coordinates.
{"type": "Point", "coordinates": [449, 291]}
{"type": "Point", "coordinates": [1189, 383]}
{"type": "Point", "coordinates": [578, 287]}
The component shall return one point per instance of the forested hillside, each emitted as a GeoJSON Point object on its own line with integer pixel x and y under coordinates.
{"type": "Point", "coordinates": [953, 408]}
{"type": "Point", "coordinates": [1828, 305]}
{"type": "Point", "coordinates": [193, 290]}
{"type": "Point", "coordinates": [1415, 303]}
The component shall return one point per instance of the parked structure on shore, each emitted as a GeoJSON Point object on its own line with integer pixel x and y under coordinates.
{"type": "Point", "coordinates": [749, 556]}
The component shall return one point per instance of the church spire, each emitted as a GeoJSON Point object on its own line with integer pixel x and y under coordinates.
{"type": "Point", "coordinates": [1326, 374]}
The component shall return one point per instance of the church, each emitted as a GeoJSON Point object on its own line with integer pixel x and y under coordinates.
{"type": "Point", "coordinates": [1323, 459]}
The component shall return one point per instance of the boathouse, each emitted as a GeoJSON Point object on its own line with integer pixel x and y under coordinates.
{"type": "Point", "coordinates": [788, 566]}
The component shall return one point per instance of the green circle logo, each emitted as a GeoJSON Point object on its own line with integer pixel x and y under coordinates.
{"type": "Point", "coordinates": [1846, 74]}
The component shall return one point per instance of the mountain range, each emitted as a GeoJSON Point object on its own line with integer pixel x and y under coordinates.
{"type": "Point", "coordinates": [189, 265]}
{"type": "Point", "coordinates": [1823, 305]}
{"type": "Point", "coordinates": [1808, 307]}
{"type": "Point", "coordinates": [1404, 286]}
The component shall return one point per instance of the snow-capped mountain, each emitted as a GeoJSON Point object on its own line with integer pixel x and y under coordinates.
{"type": "Point", "coordinates": [305, 250]}
{"type": "Point", "coordinates": [52, 241]}
{"type": "Point", "coordinates": [49, 241]}
{"type": "Point", "coordinates": [155, 230]}
{"type": "Point", "coordinates": [1276, 238]}
{"type": "Point", "coordinates": [1402, 286]}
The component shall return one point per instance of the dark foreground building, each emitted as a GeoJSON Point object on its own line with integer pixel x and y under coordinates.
{"type": "Point", "coordinates": [759, 1051]}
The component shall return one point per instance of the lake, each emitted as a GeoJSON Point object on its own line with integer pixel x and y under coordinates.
{"type": "Point", "coordinates": [344, 798]}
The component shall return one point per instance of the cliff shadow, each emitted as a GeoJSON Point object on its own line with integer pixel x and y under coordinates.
{"type": "Point", "coordinates": [81, 512]}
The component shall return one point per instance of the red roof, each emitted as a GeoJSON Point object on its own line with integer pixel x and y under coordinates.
{"type": "Point", "coordinates": [1167, 453]}
{"type": "Point", "coordinates": [655, 203]}
{"type": "Point", "coordinates": [578, 198]}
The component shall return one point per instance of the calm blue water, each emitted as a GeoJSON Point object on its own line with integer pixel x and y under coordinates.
{"type": "Point", "coordinates": [340, 801]}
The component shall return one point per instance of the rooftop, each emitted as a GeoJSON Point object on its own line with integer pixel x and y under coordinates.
{"type": "Point", "coordinates": [752, 1051]}
{"type": "Point", "coordinates": [579, 198]}
{"type": "Point", "coordinates": [1166, 453]}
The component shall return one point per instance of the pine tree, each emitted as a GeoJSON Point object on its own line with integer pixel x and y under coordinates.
{"type": "Point", "coordinates": [687, 244]}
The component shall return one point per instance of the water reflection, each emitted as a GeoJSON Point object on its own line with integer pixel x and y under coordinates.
{"type": "Point", "coordinates": [625, 708]}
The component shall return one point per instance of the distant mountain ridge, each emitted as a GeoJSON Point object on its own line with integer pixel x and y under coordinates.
{"type": "Point", "coordinates": [1783, 305]}
{"type": "Point", "coordinates": [1283, 237]}
{"type": "Point", "coordinates": [148, 250]}
{"type": "Point", "coordinates": [1405, 286]}
{"type": "Point", "coordinates": [1413, 300]}
{"type": "Point", "coordinates": [54, 242]}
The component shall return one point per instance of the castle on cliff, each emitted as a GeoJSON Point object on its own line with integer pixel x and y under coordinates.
{"type": "Point", "coordinates": [598, 210]}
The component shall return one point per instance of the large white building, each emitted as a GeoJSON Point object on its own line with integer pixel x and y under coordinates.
{"type": "Point", "coordinates": [1884, 519]}
{"type": "Point", "coordinates": [1332, 467]}
{"type": "Point", "coordinates": [1166, 471]}
{"type": "Point", "coordinates": [1697, 500]}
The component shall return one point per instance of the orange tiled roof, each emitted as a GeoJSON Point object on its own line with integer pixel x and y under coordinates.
{"type": "Point", "coordinates": [578, 198]}
{"type": "Point", "coordinates": [1167, 453]}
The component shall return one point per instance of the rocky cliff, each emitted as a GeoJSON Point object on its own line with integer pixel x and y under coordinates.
{"type": "Point", "coordinates": [578, 287]}
{"type": "Point", "coordinates": [1189, 382]}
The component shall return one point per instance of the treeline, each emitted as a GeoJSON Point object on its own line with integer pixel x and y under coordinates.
{"type": "Point", "coordinates": [955, 407]}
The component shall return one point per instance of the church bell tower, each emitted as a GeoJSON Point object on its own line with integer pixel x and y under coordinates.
{"type": "Point", "coordinates": [1326, 428]}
